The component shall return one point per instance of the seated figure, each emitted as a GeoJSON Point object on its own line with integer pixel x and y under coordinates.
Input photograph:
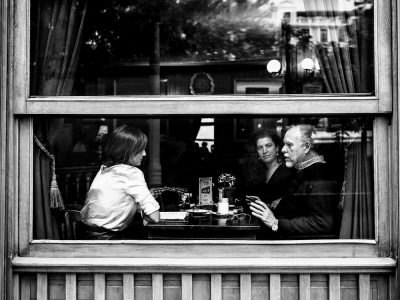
{"type": "Point", "coordinates": [119, 189]}
{"type": "Point", "coordinates": [308, 207]}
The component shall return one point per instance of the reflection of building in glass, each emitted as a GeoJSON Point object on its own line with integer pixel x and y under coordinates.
{"type": "Point", "coordinates": [285, 8]}
{"type": "Point", "coordinates": [324, 20]}
{"type": "Point", "coordinates": [330, 35]}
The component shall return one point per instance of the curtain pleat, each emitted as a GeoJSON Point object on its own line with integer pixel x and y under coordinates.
{"type": "Point", "coordinates": [346, 64]}
{"type": "Point", "coordinates": [45, 223]}
{"type": "Point", "coordinates": [56, 39]}
{"type": "Point", "coordinates": [58, 43]}
{"type": "Point", "coordinates": [358, 210]}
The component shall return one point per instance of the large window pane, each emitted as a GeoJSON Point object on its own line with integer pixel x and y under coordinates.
{"type": "Point", "coordinates": [212, 47]}
{"type": "Point", "coordinates": [177, 159]}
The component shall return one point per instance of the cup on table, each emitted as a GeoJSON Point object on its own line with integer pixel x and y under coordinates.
{"type": "Point", "coordinates": [223, 206]}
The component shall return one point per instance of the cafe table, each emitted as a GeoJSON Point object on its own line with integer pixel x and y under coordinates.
{"type": "Point", "coordinates": [205, 226]}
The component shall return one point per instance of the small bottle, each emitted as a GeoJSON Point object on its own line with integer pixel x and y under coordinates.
{"type": "Point", "coordinates": [220, 194]}
{"type": "Point", "coordinates": [223, 206]}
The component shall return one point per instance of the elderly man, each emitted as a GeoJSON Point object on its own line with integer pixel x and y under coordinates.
{"type": "Point", "coordinates": [307, 207]}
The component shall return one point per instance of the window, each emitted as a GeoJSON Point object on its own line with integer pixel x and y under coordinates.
{"type": "Point", "coordinates": [324, 35]}
{"type": "Point", "coordinates": [196, 49]}
{"type": "Point", "coordinates": [99, 84]}
{"type": "Point", "coordinates": [191, 148]}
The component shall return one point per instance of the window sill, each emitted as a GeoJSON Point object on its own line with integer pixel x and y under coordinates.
{"type": "Point", "coordinates": [202, 265]}
{"type": "Point", "coordinates": [203, 248]}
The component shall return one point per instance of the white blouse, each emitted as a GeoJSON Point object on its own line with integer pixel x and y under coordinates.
{"type": "Point", "coordinates": [114, 197]}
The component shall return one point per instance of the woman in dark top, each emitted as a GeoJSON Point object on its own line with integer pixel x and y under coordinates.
{"type": "Point", "coordinates": [276, 176]}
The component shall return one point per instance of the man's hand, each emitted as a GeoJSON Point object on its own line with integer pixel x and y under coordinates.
{"type": "Point", "coordinates": [250, 199]}
{"type": "Point", "coordinates": [275, 203]}
{"type": "Point", "coordinates": [260, 210]}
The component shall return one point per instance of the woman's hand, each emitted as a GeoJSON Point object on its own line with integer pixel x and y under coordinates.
{"type": "Point", "coordinates": [153, 217]}
{"type": "Point", "coordinates": [260, 210]}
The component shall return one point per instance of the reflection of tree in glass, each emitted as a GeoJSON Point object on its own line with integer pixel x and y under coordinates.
{"type": "Point", "coordinates": [190, 30]}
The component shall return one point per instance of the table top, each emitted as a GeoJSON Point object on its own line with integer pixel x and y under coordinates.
{"type": "Point", "coordinates": [207, 226]}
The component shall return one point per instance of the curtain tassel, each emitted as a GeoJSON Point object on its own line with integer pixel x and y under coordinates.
{"type": "Point", "coordinates": [56, 200]}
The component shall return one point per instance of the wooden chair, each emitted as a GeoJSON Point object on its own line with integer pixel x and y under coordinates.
{"type": "Point", "coordinates": [168, 197]}
{"type": "Point", "coordinates": [73, 224]}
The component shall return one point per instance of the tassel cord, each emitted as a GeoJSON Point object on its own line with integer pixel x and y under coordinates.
{"type": "Point", "coordinates": [56, 200]}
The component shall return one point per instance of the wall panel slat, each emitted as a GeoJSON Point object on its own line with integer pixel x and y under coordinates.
{"type": "Point", "coordinates": [26, 289]}
{"type": "Point", "coordinates": [187, 287]}
{"type": "Point", "coordinates": [201, 286]}
{"type": "Point", "coordinates": [70, 286]}
{"type": "Point", "coordinates": [216, 286]}
{"type": "Point", "coordinates": [16, 285]}
{"type": "Point", "coordinates": [158, 288]}
{"type": "Point", "coordinates": [42, 289]}
{"type": "Point", "coordinates": [334, 286]}
{"type": "Point", "coordinates": [364, 287]}
{"type": "Point", "coordinates": [275, 286]}
{"type": "Point", "coordinates": [304, 286]}
{"type": "Point", "coordinates": [99, 287]}
{"type": "Point", "coordinates": [114, 286]}
{"type": "Point", "coordinates": [172, 286]}
{"type": "Point", "coordinates": [129, 286]}
{"type": "Point", "coordinates": [319, 286]}
{"type": "Point", "coordinates": [245, 286]}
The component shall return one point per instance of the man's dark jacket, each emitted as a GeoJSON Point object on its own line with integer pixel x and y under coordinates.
{"type": "Point", "coordinates": [310, 204]}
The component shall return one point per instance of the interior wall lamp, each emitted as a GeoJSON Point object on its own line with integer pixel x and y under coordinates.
{"type": "Point", "coordinates": [274, 68]}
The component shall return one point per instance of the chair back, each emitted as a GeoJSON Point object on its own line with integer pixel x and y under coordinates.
{"type": "Point", "coordinates": [73, 224]}
{"type": "Point", "coordinates": [168, 197]}
{"type": "Point", "coordinates": [169, 201]}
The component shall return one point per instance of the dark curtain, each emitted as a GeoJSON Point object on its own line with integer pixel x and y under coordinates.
{"type": "Point", "coordinates": [56, 38]}
{"type": "Point", "coordinates": [57, 34]}
{"type": "Point", "coordinates": [45, 223]}
{"type": "Point", "coordinates": [357, 194]}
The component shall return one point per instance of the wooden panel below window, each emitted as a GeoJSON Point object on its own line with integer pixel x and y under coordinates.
{"type": "Point", "coordinates": [167, 286]}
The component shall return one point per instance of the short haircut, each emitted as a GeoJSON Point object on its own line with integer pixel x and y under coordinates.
{"type": "Point", "coordinates": [124, 143]}
{"type": "Point", "coordinates": [306, 132]}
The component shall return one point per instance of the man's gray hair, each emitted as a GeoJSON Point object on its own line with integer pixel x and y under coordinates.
{"type": "Point", "coordinates": [306, 132]}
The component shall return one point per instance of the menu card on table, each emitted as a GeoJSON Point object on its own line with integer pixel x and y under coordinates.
{"type": "Point", "coordinates": [205, 190]}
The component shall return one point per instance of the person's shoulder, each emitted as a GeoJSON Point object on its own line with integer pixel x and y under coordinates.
{"type": "Point", "coordinates": [286, 172]}
{"type": "Point", "coordinates": [129, 171]}
{"type": "Point", "coordinates": [318, 170]}
{"type": "Point", "coordinates": [134, 171]}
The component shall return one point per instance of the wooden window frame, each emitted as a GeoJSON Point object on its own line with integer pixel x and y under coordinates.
{"type": "Point", "coordinates": [25, 107]}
